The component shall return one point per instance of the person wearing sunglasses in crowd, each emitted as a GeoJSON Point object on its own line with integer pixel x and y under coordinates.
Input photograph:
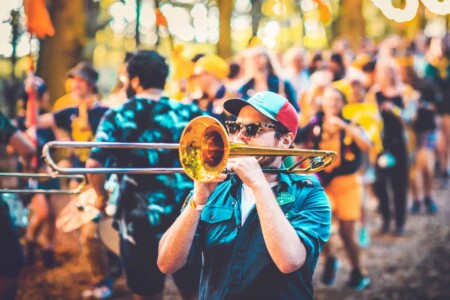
{"type": "Point", "coordinates": [260, 233]}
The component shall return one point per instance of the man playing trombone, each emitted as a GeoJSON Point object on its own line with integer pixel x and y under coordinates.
{"type": "Point", "coordinates": [147, 204]}
{"type": "Point", "coordinates": [260, 233]}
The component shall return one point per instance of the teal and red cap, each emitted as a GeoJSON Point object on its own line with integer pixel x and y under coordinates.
{"type": "Point", "coordinates": [271, 105]}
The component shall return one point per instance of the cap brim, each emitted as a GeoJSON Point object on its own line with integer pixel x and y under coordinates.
{"type": "Point", "coordinates": [234, 106]}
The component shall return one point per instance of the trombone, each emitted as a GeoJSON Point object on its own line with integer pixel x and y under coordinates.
{"type": "Point", "coordinates": [203, 152]}
{"type": "Point", "coordinates": [77, 190]}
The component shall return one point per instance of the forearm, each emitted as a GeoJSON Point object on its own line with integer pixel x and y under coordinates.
{"type": "Point", "coordinates": [176, 243]}
{"type": "Point", "coordinates": [45, 121]}
{"type": "Point", "coordinates": [361, 139]}
{"type": "Point", "coordinates": [97, 181]}
{"type": "Point", "coordinates": [22, 145]}
{"type": "Point", "coordinates": [281, 239]}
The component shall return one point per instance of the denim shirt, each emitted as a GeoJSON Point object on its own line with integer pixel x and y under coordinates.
{"type": "Point", "coordinates": [237, 264]}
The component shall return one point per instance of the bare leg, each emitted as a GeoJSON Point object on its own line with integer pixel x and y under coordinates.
{"type": "Point", "coordinates": [40, 212]}
{"type": "Point", "coordinates": [346, 232]}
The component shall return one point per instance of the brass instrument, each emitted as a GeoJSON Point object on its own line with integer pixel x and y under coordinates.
{"type": "Point", "coordinates": [77, 190]}
{"type": "Point", "coordinates": [203, 151]}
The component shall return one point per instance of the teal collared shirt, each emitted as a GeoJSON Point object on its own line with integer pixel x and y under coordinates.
{"type": "Point", "coordinates": [237, 264]}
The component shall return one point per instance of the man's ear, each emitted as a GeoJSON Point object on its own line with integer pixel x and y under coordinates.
{"type": "Point", "coordinates": [287, 140]}
{"type": "Point", "coordinates": [135, 83]}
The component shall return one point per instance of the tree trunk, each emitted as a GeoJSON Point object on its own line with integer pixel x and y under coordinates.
{"type": "Point", "coordinates": [351, 21]}
{"type": "Point", "coordinates": [225, 11]}
{"type": "Point", "coordinates": [62, 51]}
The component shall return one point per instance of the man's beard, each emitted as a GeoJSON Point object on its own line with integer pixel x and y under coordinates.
{"type": "Point", "coordinates": [130, 92]}
{"type": "Point", "coordinates": [266, 161]}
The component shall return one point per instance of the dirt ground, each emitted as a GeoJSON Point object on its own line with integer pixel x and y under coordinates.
{"type": "Point", "coordinates": [415, 266]}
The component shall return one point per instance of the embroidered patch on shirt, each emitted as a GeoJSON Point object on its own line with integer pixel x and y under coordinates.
{"type": "Point", "coordinates": [285, 198]}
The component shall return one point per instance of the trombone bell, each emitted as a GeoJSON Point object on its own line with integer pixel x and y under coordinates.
{"type": "Point", "coordinates": [204, 149]}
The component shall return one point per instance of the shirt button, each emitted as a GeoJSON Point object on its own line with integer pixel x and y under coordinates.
{"type": "Point", "coordinates": [211, 217]}
{"type": "Point", "coordinates": [238, 226]}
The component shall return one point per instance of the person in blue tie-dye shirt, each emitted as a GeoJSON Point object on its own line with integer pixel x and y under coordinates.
{"type": "Point", "coordinates": [147, 204]}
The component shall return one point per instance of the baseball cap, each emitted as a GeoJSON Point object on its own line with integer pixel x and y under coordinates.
{"type": "Point", "coordinates": [86, 71]}
{"type": "Point", "coordinates": [271, 105]}
{"type": "Point", "coordinates": [212, 64]}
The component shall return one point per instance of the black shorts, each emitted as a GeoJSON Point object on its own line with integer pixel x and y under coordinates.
{"type": "Point", "coordinates": [142, 273]}
{"type": "Point", "coordinates": [11, 254]}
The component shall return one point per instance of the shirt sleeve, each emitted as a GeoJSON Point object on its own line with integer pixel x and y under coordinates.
{"type": "Point", "coordinates": [7, 130]}
{"type": "Point", "coordinates": [63, 118]}
{"type": "Point", "coordinates": [106, 132]}
{"type": "Point", "coordinates": [312, 222]}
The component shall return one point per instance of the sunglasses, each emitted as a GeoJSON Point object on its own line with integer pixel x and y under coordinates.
{"type": "Point", "coordinates": [251, 129]}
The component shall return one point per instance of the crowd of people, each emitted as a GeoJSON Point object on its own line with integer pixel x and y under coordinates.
{"type": "Point", "coordinates": [384, 109]}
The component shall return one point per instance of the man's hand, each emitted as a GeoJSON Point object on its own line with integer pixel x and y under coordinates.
{"type": "Point", "coordinates": [248, 169]}
{"type": "Point", "coordinates": [202, 190]}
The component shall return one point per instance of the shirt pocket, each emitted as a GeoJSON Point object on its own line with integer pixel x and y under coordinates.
{"type": "Point", "coordinates": [213, 215]}
{"type": "Point", "coordinates": [218, 228]}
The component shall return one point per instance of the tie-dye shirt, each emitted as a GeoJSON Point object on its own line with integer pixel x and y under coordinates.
{"type": "Point", "coordinates": [157, 198]}
{"type": "Point", "coordinates": [6, 129]}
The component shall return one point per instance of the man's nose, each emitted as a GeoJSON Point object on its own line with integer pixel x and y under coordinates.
{"type": "Point", "coordinates": [241, 136]}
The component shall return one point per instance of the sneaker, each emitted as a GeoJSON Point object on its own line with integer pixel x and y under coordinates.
{"type": "Point", "coordinates": [364, 237]}
{"type": "Point", "coordinates": [330, 273]}
{"type": "Point", "coordinates": [399, 231]}
{"type": "Point", "coordinates": [101, 290]}
{"type": "Point", "coordinates": [415, 208]}
{"type": "Point", "coordinates": [358, 281]}
{"type": "Point", "coordinates": [385, 227]}
{"type": "Point", "coordinates": [431, 206]}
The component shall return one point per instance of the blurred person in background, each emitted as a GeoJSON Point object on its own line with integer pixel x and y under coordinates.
{"type": "Point", "coordinates": [438, 71]}
{"type": "Point", "coordinates": [40, 232]}
{"type": "Point", "coordinates": [311, 100]}
{"type": "Point", "coordinates": [296, 71]}
{"type": "Point", "coordinates": [341, 180]}
{"type": "Point", "coordinates": [146, 204]}
{"type": "Point", "coordinates": [392, 164]}
{"type": "Point", "coordinates": [11, 254]}
{"type": "Point", "coordinates": [81, 121]}
{"type": "Point", "coordinates": [263, 77]}
{"type": "Point", "coordinates": [238, 75]}
{"type": "Point", "coordinates": [421, 100]}
{"type": "Point", "coordinates": [208, 77]}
